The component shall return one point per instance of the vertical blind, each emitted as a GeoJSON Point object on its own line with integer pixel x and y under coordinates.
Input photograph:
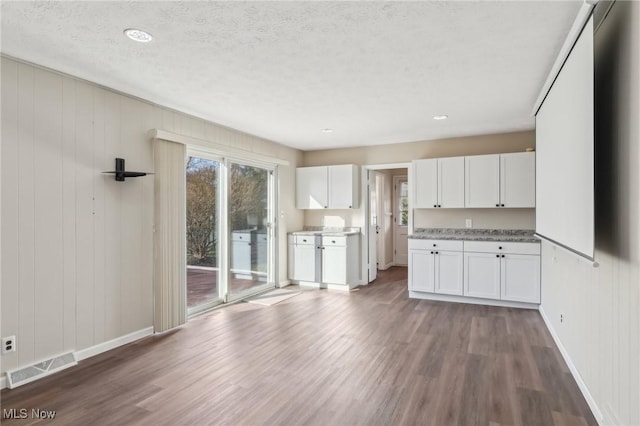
{"type": "Point", "coordinates": [170, 267]}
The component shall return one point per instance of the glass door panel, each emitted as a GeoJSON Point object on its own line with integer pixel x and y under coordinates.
{"type": "Point", "coordinates": [203, 244]}
{"type": "Point", "coordinates": [250, 218]}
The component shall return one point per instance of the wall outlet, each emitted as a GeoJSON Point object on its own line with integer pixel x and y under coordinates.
{"type": "Point", "coordinates": [8, 344]}
{"type": "Point", "coordinates": [468, 223]}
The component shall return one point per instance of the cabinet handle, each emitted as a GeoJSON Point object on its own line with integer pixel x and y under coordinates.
{"type": "Point", "coordinates": [304, 241]}
{"type": "Point", "coordinates": [497, 205]}
{"type": "Point", "coordinates": [434, 245]}
{"type": "Point", "coordinates": [435, 205]}
{"type": "Point", "coordinates": [439, 205]}
{"type": "Point", "coordinates": [436, 252]}
{"type": "Point", "coordinates": [501, 205]}
{"type": "Point", "coordinates": [333, 241]}
{"type": "Point", "coordinates": [350, 207]}
{"type": "Point", "coordinates": [497, 255]}
{"type": "Point", "coordinates": [500, 248]}
{"type": "Point", "coordinates": [431, 252]}
{"type": "Point", "coordinates": [503, 255]}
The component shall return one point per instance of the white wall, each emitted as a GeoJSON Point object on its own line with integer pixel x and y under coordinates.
{"type": "Point", "coordinates": [601, 306]}
{"type": "Point", "coordinates": [76, 245]}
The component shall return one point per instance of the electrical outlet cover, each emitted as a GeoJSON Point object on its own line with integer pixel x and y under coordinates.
{"type": "Point", "coordinates": [8, 344]}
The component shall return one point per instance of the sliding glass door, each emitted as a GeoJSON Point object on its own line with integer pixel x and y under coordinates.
{"type": "Point", "coordinates": [250, 218]}
{"type": "Point", "coordinates": [203, 231]}
{"type": "Point", "coordinates": [230, 212]}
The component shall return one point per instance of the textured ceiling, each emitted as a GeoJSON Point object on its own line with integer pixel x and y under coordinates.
{"type": "Point", "coordinates": [375, 72]}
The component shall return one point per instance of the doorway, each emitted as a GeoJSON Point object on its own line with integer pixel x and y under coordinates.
{"type": "Point", "coordinates": [400, 220]}
{"type": "Point", "coordinates": [380, 213]}
{"type": "Point", "coordinates": [230, 235]}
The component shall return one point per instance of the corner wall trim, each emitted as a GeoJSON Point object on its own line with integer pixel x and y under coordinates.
{"type": "Point", "coordinates": [574, 371]}
{"type": "Point", "coordinates": [112, 344]}
{"type": "Point", "coordinates": [284, 283]}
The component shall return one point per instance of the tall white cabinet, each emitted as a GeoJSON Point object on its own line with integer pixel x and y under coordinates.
{"type": "Point", "coordinates": [500, 180]}
{"type": "Point", "coordinates": [439, 183]}
{"type": "Point", "coordinates": [327, 187]}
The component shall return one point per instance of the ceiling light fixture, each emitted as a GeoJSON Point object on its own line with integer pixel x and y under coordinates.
{"type": "Point", "coordinates": [327, 130]}
{"type": "Point", "coordinates": [440, 117]}
{"type": "Point", "coordinates": [138, 35]}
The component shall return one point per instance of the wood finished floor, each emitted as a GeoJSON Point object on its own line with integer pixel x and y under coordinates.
{"type": "Point", "coordinates": [373, 356]}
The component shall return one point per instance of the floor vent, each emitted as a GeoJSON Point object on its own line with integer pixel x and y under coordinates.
{"type": "Point", "coordinates": [42, 369]}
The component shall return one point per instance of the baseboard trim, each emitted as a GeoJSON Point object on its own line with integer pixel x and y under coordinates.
{"type": "Point", "coordinates": [284, 283]}
{"type": "Point", "coordinates": [471, 300]}
{"type": "Point", "coordinates": [574, 371]}
{"type": "Point", "coordinates": [112, 344]}
{"type": "Point", "coordinates": [387, 266]}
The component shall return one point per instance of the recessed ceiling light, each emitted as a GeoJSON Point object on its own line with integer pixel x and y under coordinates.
{"type": "Point", "coordinates": [138, 35]}
{"type": "Point", "coordinates": [440, 117]}
{"type": "Point", "coordinates": [327, 130]}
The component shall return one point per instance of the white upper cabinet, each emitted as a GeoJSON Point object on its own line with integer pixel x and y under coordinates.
{"type": "Point", "coordinates": [311, 188]}
{"type": "Point", "coordinates": [482, 181]}
{"type": "Point", "coordinates": [426, 183]}
{"type": "Point", "coordinates": [500, 180]}
{"type": "Point", "coordinates": [518, 179]}
{"type": "Point", "coordinates": [451, 182]}
{"type": "Point", "coordinates": [439, 183]}
{"type": "Point", "coordinates": [343, 186]}
{"type": "Point", "coordinates": [327, 187]}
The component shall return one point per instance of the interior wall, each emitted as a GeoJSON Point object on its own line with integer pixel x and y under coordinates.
{"type": "Point", "coordinates": [406, 152]}
{"type": "Point", "coordinates": [77, 247]}
{"type": "Point", "coordinates": [600, 330]}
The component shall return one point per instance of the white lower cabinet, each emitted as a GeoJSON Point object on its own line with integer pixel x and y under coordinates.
{"type": "Point", "coordinates": [488, 270]}
{"type": "Point", "coordinates": [324, 259]}
{"type": "Point", "coordinates": [435, 266]}
{"type": "Point", "coordinates": [520, 276]}
{"type": "Point", "coordinates": [482, 275]}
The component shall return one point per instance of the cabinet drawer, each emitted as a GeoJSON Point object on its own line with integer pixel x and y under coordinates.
{"type": "Point", "coordinates": [334, 241]}
{"type": "Point", "coordinates": [305, 239]}
{"type": "Point", "coordinates": [501, 247]}
{"type": "Point", "coordinates": [446, 245]}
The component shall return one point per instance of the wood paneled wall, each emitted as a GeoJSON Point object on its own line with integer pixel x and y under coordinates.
{"type": "Point", "coordinates": [600, 306]}
{"type": "Point", "coordinates": [77, 246]}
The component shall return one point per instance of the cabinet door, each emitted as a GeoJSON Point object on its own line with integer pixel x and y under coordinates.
{"type": "Point", "coordinates": [311, 188]}
{"type": "Point", "coordinates": [304, 263]}
{"type": "Point", "coordinates": [421, 270]}
{"type": "Point", "coordinates": [521, 278]}
{"type": "Point", "coordinates": [518, 179]}
{"type": "Point", "coordinates": [451, 182]}
{"type": "Point", "coordinates": [448, 272]}
{"type": "Point", "coordinates": [482, 275]}
{"type": "Point", "coordinates": [482, 181]}
{"type": "Point", "coordinates": [425, 183]}
{"type": "Point", "coordinates": [343, 187]}
{"type": "Point", "coordinates": [334, 265]}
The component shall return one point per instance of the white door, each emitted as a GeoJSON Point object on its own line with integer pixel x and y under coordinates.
{"type": "Point", "coordinates": [311, 188]}
{"type": "Point", "coordinates": [374, 217]}
{"type": "Point", "coordinates": [482, 181]}
{"type": "Point", "coordinates": [426, 183]}
{"type": "Point", "coordinates": [400, 220]}
{"type": "Point", "coordinates": [482, 275]}
{"type": "Point", "coordinates": [448, 272]}
{"type": "Point", "coordinates": [521, 278]}
{"type": "Point", "coordinates": [421, 271]}
{"type": "Point", "coordinates": [451, 182]}
{"type": "Point", "coordinates": [518, 179]}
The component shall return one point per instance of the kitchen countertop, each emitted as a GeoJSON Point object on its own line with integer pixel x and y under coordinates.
{"type": "Point", "coordinates": [506, 235]}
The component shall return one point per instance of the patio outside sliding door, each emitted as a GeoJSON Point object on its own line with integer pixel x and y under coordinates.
{"type": "Point", "coordinates": [203, 185]}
